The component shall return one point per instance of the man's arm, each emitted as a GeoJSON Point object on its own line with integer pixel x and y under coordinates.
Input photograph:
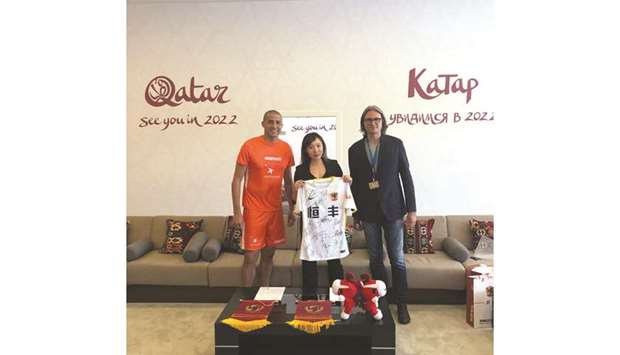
{"type": "Point", "coordinates": [236, 192]}
{"type": "Point", "coordinates": [407, 181]}
{"type": "Point", "coordinates": [288, 187]}
{"type": "Point", "coordinates": [354, 190]}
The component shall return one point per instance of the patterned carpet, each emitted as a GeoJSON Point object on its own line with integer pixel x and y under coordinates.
{"type": "Point", "coordinates": [187, 329]}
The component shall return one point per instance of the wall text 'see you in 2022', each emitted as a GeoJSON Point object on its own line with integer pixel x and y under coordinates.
{"type": "Point", "coordinates": [189, 120]}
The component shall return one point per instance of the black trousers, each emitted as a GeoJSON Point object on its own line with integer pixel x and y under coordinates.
{"type": "Point", "coordinates": [310, 276]}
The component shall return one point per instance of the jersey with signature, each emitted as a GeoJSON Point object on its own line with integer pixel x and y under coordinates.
{"type": "Point", "coordinates": [324, 204]}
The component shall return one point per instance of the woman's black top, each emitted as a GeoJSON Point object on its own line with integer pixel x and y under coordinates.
{"type": "Point", "coordinates": [302, 172]}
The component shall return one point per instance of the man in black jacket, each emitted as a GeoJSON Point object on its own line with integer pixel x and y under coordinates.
{"type": "Point", "coordinates": [378, 164]}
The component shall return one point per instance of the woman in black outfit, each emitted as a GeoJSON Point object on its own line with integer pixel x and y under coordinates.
{"type": "Point", "coordinates": [315, 165]}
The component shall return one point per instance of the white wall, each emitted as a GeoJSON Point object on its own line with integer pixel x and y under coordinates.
{"type": "Point", "coordinates": [308, 56]}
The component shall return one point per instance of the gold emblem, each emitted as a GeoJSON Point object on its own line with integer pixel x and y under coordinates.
{"type": "Point", "coordinates": [314, 308]}
{"type": "Point", "coordinates": [254, 308]}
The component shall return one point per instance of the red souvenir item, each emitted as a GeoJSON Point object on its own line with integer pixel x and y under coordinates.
{"type": "Point", "coordinates": [310, 316]}
{"type": "Point", "coordinates": [346, 290]}
{"type": "Point", "coordinates": [371, 291]}
{"type": "Point", "coordinates": [250, 315]}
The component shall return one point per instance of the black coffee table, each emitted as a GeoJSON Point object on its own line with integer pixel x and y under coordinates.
{"type": "Point", "coordinates": [360, 334]}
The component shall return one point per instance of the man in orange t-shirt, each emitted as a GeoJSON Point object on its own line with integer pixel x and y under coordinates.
{"type": "Point", "coordinates": [263, 161]}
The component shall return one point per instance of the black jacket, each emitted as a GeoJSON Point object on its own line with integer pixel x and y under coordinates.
{"type": "Point", "coordinates": [387, 201]}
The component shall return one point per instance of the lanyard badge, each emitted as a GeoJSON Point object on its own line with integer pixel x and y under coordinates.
{"type": "Point", "coordinates": [373, 158]}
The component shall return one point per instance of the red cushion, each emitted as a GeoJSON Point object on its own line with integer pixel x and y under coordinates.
{"type": "Point", "coordinates": [178, 234]}
{"type": "Point", "coordinates": [419, 240]}
{"type": "Point", "coordinates": [479, 229]}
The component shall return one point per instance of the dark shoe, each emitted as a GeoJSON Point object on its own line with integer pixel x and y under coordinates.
{"type": "Point", "coordinates": [403, 313]}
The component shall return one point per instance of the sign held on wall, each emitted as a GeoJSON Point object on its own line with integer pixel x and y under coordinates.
{"type": "Point", "coordinates": [295, 127]}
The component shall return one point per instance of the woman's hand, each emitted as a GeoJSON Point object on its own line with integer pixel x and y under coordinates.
{"type": "Point", "coordinates": [298, 184]}
{"type": "Point", "coordinates": [347, 179]}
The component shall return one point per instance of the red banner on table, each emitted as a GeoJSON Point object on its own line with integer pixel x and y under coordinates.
{"type": "Point", "coordinates": [250, 315]}
{"type": "Point", "coordinates": [310, 316]}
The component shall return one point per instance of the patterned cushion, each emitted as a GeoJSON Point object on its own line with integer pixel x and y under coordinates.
{"type": "Point", "coordinates": [232, 238]}
{"type": "Point", "coordinates": [419, 240]}
{"type": "Point", "coordinates": [480, 229]}
{"type": "Point", "coordinates": [178, 234]}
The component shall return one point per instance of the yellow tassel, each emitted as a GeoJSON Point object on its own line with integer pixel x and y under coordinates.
{"type": "Point", "coordinates": [311, 327]}
{"type": "Point", "coordinates": [248, 326]}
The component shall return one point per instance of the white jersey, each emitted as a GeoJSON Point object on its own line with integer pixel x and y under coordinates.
{"type": "Point", "coordinates": [323, 204]}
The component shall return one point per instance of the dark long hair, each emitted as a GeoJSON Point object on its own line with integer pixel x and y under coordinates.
{"type": "Point", "coordinates": [305, 143]}
{"type": "Point", "coordinates": [377, 110]}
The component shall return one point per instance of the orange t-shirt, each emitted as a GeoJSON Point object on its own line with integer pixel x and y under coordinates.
{"type": "Point", "coordinates": [265, 162]}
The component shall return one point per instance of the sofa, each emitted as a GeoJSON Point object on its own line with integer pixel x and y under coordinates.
{"type": "Point", "coordinates": [155, 277]}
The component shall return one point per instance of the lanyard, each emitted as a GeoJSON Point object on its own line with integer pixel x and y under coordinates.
{"type": "Point", "coordinates": [373, 158]}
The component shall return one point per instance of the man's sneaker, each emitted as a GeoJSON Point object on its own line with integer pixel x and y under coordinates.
{"type": "Point", "coordinates": [403, 313]}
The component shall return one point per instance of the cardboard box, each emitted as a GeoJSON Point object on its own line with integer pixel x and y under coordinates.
{"type": "Point", "coordinates": [480, 287]}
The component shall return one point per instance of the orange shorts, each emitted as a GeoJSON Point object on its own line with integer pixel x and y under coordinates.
{"type": "Point", "coordinates": [262, 229]}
